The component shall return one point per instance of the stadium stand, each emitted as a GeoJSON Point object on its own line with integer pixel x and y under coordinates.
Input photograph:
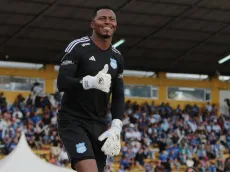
{"type": "Point", "coordinates": [179, 36]}
{"type": "Point", "coordinates": [154, 137]}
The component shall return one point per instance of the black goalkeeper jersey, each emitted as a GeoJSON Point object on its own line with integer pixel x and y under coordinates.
{"type": "Point", "coordinates": [83, 57]}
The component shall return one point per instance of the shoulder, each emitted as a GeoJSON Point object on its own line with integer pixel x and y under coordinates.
{"type": "Point", "coordinates": [77, 43]}
{"type": "Point", "coordinates": [116, 51]}
{"type": "Point", "coordinates": [117, 54]}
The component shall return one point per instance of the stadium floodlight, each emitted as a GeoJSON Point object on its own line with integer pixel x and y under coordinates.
{"type": "Point", "coordinates": [224, 59]}
{"type": "Point", "coordinates": [118, 43]}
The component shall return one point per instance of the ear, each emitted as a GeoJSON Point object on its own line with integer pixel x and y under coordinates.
{"type": "Point", "coordinates": [92, 24]}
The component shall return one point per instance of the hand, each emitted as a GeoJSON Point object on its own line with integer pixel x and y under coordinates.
{"type": "Point", "coordinates": [112, 145]}
{"type": "Point", "coordinates": [102, 81]}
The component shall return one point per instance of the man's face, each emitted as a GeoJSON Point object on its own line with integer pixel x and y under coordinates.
{"type": "Point", "coordinates": [104, 23]}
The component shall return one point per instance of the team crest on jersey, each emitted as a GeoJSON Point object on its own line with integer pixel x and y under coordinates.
{"type": "Point", "coordinates": [81, 148]}
{"type": "Point", "coordinates": [113, 63]}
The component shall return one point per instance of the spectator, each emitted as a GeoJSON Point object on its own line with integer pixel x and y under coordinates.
{"type": "Point", "coordinates": [178, 134]}
{"type": "Point", "coordinates": [139, 159]}
{"type": "Point", "coordinates": [121, 169]}
{"type": "Point", "coordinates": [3, 102]}
{"type": "Point", "coordinates": [148, 167]}
{"type": "Point", "coordinates": [125, 163]}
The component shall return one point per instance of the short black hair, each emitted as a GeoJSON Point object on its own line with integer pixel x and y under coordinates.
{"type": "Point", "coordinates": [101, 7]}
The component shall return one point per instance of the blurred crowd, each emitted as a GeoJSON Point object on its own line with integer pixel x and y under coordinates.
{"type": "Point", "coordinates": [36, 115]}
{"type": "Point", "coordinates": [155, 137]}
{"type": "Point", "coordinates": [171, 137]}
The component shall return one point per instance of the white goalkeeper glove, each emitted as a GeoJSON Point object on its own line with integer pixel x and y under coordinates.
{"type": "Point", "coordinates": [102, 81]}
{"type": "Point", "coordinates": [112, 145]}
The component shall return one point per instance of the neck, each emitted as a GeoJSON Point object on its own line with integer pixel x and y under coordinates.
{"type": "Point", "coordinates": [102, 43]}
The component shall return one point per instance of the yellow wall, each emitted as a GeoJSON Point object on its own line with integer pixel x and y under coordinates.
{"type": "Point", "coordinates": [49, 74]}
{"type": "Point", "coordinates": [162, 83]}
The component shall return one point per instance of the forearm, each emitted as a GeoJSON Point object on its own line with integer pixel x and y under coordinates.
{"type": "Point", "coordinates": [118, 102]}
{"type": "Point", "coordinates": [118, 108]}
{"type": "Point", "coordinates": [65, 83]}
{"type": "Point", "coordinates": [66, 80]}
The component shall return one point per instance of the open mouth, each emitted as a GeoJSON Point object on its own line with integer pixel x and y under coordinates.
{"type": "Point", "coordinates": [107, 28]}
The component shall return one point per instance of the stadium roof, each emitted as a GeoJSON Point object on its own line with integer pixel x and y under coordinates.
{"type": "Point", "coordinates": [187, 36]}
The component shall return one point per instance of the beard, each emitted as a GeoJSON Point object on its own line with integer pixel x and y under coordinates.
{"type": "Point", "coordinates": [106, 36]}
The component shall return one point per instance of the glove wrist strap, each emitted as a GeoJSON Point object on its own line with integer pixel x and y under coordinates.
{"type": "Point", "coordinates": [117, 123]}
{"type": "Point", "coordinates": [88, 82]}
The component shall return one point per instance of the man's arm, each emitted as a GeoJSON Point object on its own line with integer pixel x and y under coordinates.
{"type": "Point", "coordinates": [67, 81]}
{"type": "Point", "coordinates": [112, 145]}
{"type": "Point", "coordinates": [66, 77]}
{"type": "Point", "coordinates": [117, 107]}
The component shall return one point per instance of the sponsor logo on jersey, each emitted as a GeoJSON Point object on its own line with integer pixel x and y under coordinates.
{"type": "Point", "coordinates": [85, 44]}
{"type": "Point", "coordinates": [67, 62]}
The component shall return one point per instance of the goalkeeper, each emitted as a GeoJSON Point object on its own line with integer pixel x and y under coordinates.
{"type": "Point", "coordinates": [90, 72]}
